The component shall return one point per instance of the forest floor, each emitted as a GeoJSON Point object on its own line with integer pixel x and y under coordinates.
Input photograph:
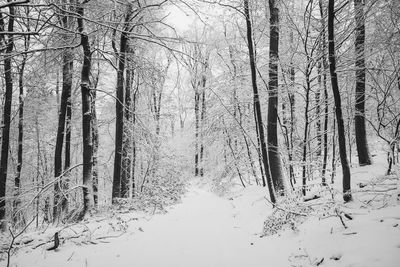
{"type": "Point", "coordinates": [208, 230]}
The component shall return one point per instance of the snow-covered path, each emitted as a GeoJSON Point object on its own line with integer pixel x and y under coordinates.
{"type": "Point", "coordinates": [204, 230]}
{"type": "Point", "coordinates": [209, 231]}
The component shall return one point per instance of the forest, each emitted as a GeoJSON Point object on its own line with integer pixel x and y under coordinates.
{"type": "Point", "coordinates": [280, 118]}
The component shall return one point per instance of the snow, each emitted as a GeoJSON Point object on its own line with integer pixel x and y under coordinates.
{"type": "Point", "coordinates": [209, 230]}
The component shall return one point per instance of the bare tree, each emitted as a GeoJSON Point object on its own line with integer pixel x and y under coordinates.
{"type": "Point", "coordinates": [274, 158]}
{"type": "Point", "coordinates": [64, 116]}
{"type": "Point", "coordinates": [338, 105]}
{"type": "Point", "coordinates": [86, 113]}
{"type": "Point", "coordinates": [8, 41]}
{"type": "Point", "coordinates": [120, 188]}
{"type": "Point", "coordinates": [361, 135]}
{"type": "Point", "coordinates": [256, 103]}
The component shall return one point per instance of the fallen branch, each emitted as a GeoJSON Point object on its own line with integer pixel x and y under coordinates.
{"type": "Point", "coordinates": [340, 217]}
{"type": "Point", "coordinates": [351, 233]}
{"type": "Point", "coordinates": [56, 242]}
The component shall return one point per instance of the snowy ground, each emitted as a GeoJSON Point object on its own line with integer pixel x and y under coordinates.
{"type": "Point", "coordinates": [207, 230]}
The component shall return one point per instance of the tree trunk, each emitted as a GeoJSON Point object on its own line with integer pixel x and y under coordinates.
{"type": "Point", "coordinates": [292, 102]}
{"type": "Point", "coordinates": [67, 152]}
{"type": "Point", "coordinates": [118, 187]}
{"type": "Point", "coordinates": [202, 118]}
{"type": "Point", "coordinates": [5, 137]}
{"type": "Point", "coordinates": [318, 114]}
{"type": "Point", "coordinates": [361, 136]}
{"type": "Point", "coordinates": [133, 161]}
{"type": "Point", "coordinates": [275, 162]}
{"type": "Point", "coordinates": [203, 113]}
{"type": "Point", "coordinates": [306, 126]}
{"type": "Point", "coordinates": [64, 114]}
{"type": "Point", "coordinates": [95, 138]}
{"type": "Point", "coordinates": [126, 146]}
{"type": "Point", "coordinates": [333, 174]}
{"type": "Point", "coordinates": [197, 129]}
{"type": "Point", "coordinates": [256, 103]}
{"type": "Point", "coordinates": [86, 115]}
{"type": "Point", "coordinates": [324, 84]}
{"type": "Point", "coordinates": [17, 181]}
{"type": "Point", "coordinates": [338, 106]}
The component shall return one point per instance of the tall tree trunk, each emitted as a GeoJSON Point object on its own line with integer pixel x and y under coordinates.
{"type": "Point", "coordinates": [118, 186]}
{"type": "Point", "coordinates": [287, 134]}
{"type": "Point", "coordinates": [5, 140]}
{"type": "Point", "coordinates": [324, 67]}
{"type": "Point", "coordinates": [333, 174]}
{"type": "Point", "coordinates": [135, 97]}
{"type": "Point", "coordinates": [38, 172]}
{"type": "Point", "coordinates": [275, 162]}
{"type": "Point", "coordinates": [17, 181]}
{"type": "Point", "coordinates": [202, 118]}
{"type": "Point", "coordinates": [361, 136]}
{"type": "Point", "coordinates": [70, 60]}
{"type": "Point", "coordinates": [86, 115]}
{"type": "Point", "coordinates": [306, 126]}
{"type": "Point", "coordinates": [95, 138]}
{"type": "Point", "coordinates": [263, 172]}
{"type": "Point", "coordinates": [256, 102]}
{"type": "Point", "coordinates": [203, 113]}
{"type": "Point", "coordinates": [338, 105]}
{"type": "Point", "coordinates": [64, 114]}
{"type": "Point", "coordinates": [126, 146]}
{"type": "Point", "coordinates": [292, 101]}
{"type": "Point", "coordinates": [67, 151]}
{"type": "Point", "coordinates": [318, 113]}
{"type": "Point", "coordinates": [65, 95]}
{"type": "Point", "coordinates": [197, 129]}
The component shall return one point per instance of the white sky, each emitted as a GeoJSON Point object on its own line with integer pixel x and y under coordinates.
{"type": "Point", "coordinates": [180, 18]}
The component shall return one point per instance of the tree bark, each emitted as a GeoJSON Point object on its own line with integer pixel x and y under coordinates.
{"type": "Point", "coordinates": [256, 102]}
{"type": "Point", "coordinates": [338, 106]}
{"type": "Point", "coordinates": [275, 162]}
{"type": "Point", "coordinates": [64, 122]}
{"type": "Point", "coordinates": [197, 129]}
{"type": "Point", "coordinates": [126, 146]}
{"type": "Point", "coordinates": [5, 140]}
{"type": "Point", "coordinates": [333, 174]}
{"type": "Point", "coordinates": [306, 126]}
{"type": "Point", "coordinates": [86, 115]}
{"type": "Point", "coordinates": [325, 87]}
{"type": "Point", "coordinates": [17, 181]}
{"type": "Point", "coordinates": [203, 112]}
{"type": "Point", "coordinates": [135, 97]}
{"type": "Point", "coordinates": [360, 131]}
{"type": "Point", "coordinates": [95, 138]}
{"type": "Point", "coordinates": [119, 188]}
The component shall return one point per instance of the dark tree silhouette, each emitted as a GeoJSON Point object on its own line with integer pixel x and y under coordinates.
{"type": "Point", "coordinates": [361, 135]}
{"type": "Point", "coordinates": [5, 136]}
{"type": "Point", "coordinates": [86, 113]}
{"type": "Point", "coordinates": [338, 105]}
{"type": "Point", "coordinates": [274, 158]}
{"type": "Point", "coordinates": [64, 120]}
{"type": "Point", "coordinates": [120, 188]}
{"type": "Point", "coordinates": [256, 103]}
